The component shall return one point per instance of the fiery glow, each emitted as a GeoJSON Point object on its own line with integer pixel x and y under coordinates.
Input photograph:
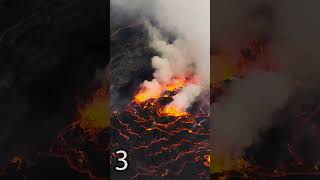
{"type": "Point", "coordinates": [171, 110]}
{"type": "Point", "coordinates": [176, 84]}
{"type": "Point", "coordinates": [163, 128]}
{"type": "Point", "coordinates": [157, 122]}
{"type": "Point", "coordinates": [90, 127]}
{"type": "Point", "coordinates": [207, 160]}
{"type": "Point", "coordinates": [95, 114]}
{"type": "Point", "coordinates": [145, 94]}
{"type": "Point", "coordinates": [220, 165]}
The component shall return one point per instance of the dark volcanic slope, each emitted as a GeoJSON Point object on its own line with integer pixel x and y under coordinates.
{"type": "Point", "coordinates": [180, 152]}
{"type": "Point", "coordinates": [130, 56]}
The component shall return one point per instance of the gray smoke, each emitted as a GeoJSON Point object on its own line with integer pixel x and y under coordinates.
{"type": "Point", "coordinates": [292, 31]}
{"type": "Point", "coordinates": [240, 117]}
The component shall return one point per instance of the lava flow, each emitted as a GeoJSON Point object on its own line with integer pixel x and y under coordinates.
{"type": "Point", "coordinates": [152, 94]}
{"type": "Point", "coordinates": [162, 140]}
{"type": "Point", "coordinates": [146, 93]}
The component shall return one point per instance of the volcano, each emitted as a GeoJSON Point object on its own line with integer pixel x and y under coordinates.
{"type": "Point", "coordinates": [162, 141]}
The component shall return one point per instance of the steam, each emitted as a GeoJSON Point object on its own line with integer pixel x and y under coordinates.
{"type": "Point", "coordinates": [175, 60]}
{"type": "Point", "coordinates": [189, 54]}
{"type": "Point", "coordinates": [186, 97]}
{"type": "Point", "coordinates": [152, 87]}
{"type": "Point", "coordinates": [163, 70]}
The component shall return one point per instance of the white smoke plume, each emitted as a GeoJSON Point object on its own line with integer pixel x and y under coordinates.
{"type": "Point", "coordinates": [175, 58]}
{"type": "Point", "coordinates": [163, 70]}
{"type": "Point", "coordinates": [189, 54]}
{"type": "Point", "coordinates": [186, 97]}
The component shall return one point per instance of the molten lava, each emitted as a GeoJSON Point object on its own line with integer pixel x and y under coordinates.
{"type": "Point", "coordinates": [173, 140]}
{"type": "Point", "coordinates": [172, 110]}
{"type": "Point", "coordinates": [154, 94]}
{"type": "Point", "coordinates": [145, 94]}
{"type": "Point", "coordinates": [175, 84]}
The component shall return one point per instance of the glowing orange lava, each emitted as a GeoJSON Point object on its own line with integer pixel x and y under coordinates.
{"type": "Point", "coordinates": [171, 110]}
{"type": "Point", "coordinates": [175, 84]}
{"type": "Point", "coordinates": [145, 94]}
